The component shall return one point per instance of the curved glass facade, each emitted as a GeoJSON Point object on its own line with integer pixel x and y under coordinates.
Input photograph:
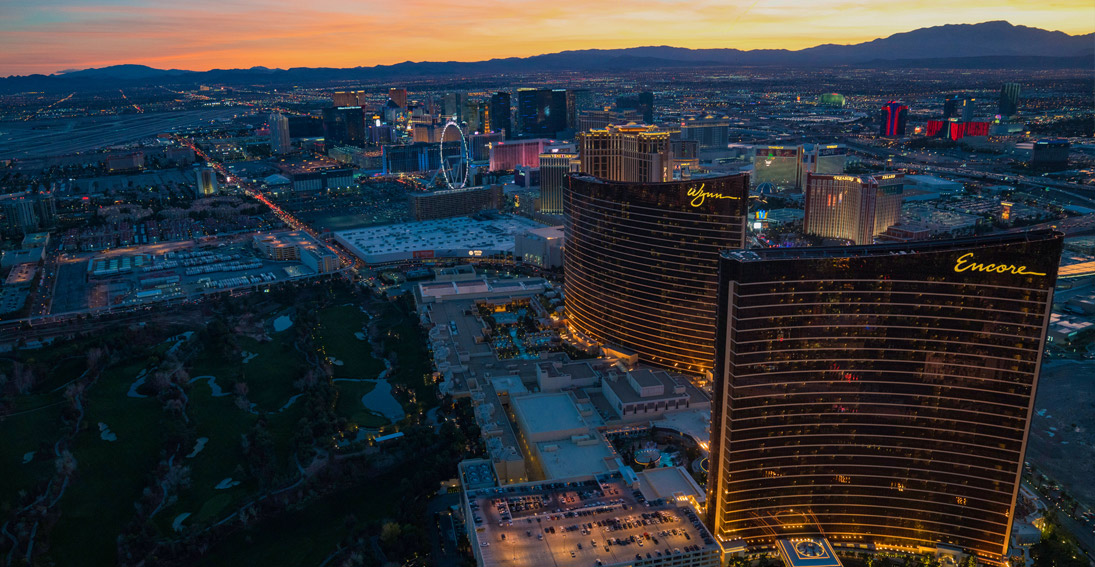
{"type": "Point", "coordinates": [641, 263]}
{"type": "Point", "coordinates": [878, 394]}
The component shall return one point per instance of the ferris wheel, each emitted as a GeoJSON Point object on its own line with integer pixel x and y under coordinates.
{"type": "Point", "coordinates": [456, 176]}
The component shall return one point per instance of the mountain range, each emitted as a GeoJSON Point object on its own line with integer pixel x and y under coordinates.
{"type": "Point", "coordinates": [995, 44]}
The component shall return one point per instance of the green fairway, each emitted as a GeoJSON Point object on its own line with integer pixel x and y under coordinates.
{"type": "Point", "coordinates": [349, 405]}
{"type": "Point", "coordinates": [110, 475]}
{"type": "Point", "coordinates": [34, 426]}
{"type": "Point", "coordinates": [306, 537]}
{"type": "Point", "coordinates": [336, 338]}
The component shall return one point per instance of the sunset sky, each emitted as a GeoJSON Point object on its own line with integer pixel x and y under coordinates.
{"type": "Point", "coordinates": [47, 36]}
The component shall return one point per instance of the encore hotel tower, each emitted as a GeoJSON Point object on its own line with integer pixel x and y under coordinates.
{"type": "Point", "coordinates": [641, 263]}
{"type": "Point", "coordinates": [878, 394]}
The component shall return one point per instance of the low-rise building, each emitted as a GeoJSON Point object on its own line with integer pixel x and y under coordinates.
{"type": "Point", "coordinates": [296, 246]}
{"type": "Point", "coordinates": [455, 202]}
{"type": "Point", "coordinates": [644, 394]}
{"type": "Point", "coordinates": [541, 246]}
{"type": "Point", "coordinates": [456, 238]}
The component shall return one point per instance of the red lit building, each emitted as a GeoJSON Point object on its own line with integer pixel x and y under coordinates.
{"type": "Point", "coordinates": [956, 130]}
{"type": "Point", "coordinates": [892, 119]}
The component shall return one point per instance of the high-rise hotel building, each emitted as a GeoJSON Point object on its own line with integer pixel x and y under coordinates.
{"type": "Point", "coordinates": [892, 119]}
{"type": "Point", "coordinates": [554, 168]}
{"type": "Point", "coordinates": [878, 394]}
{"type": "Point", "coordinates": [636, 153]}
{"type": "Point", "coordinates": [641, 263]}
{"type": "Point", "coordinates": [852, 207]}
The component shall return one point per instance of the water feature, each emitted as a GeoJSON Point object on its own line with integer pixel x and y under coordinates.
{"type": "Point", "coordinates": [380, 400]}
{"type": "Point", "coordinates": [282, 323]}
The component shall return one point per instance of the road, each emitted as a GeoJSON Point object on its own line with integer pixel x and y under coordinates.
{"type": "Point", "coordinates": [939, 165]}
{"type": "Point", "coordinates": [258, 195]}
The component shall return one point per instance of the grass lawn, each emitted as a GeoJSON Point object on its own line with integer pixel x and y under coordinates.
{"type": "Point", "coordinates": [307, 536]}
{"type": "Point", "coordinates": [269, 376]}
{"type": "Point", "coordinates": [219, 420]}
{"type": "Point", "coordinates": [223, 424]}
{"type": "Point", "coordinates": [349, 404]}
{"type": "Point", "coordinates": [36, 429]}
{"type": "Point", "coordinates": [110, 475]}
{"type": "Point", "coordinates": [335, 335]}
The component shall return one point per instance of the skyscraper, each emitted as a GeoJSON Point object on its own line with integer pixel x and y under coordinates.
{"type": "Point", "coordinates": [578, 100]}
{"type": "Point", "coordinates": [348, 98]}
{"type": "Point", "coordinates": [641, 262]}
{"type": "Point", "coordinates": [643, 103]}
{"type": "Point", "coordinates": [599, 119]}
{"type": "Point", "coordinates": [646, 106]}
{"type": "Point", "coordinates": [279, 133]}
{"type": "Point", "coordinates": [476, 116]}
{"type": "Point", "coordinates": [892, 119]}
{"type": "Point", "coordinates": [637, 153]}
{"type": "Point", "coordinates": [344, 126]}
{"type": "Point", "coordinates": [554, 168]}
{"type": "Point", "coordinates": [20, 212]}
{"type": "Point", "coordinates": [398, 96]}
{"type": "Point", "coordinates": [785, 167]}
{"type": "Point", "coordinates": [969, 109]}
{"type": "Point", "coordinates": [207, 181]}
{"type": "Point", "coordinates": [708, 131]}
{"type": "Point", "coordinates": [500, 114]}
{"type": "Point", "coordinates": [1009, 99]}
{"type": "Point", "coordinates": [541, 112]}
{"type": "Point", "coordinates": [452, 106]}
{"type": "Point", "coordinates": [950, 107]}
{"type": "Point", "coordinates": [878, 394]}
{"type": "Point", "coordinates": [855, 208]}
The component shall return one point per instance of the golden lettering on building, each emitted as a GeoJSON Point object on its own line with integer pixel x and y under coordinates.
{"type": "Point", "coordinates": [966, 262]}
{"type": "Point", "coordinates": [699, 195]}
{"type": "Point", "coordinates": [845, 178]}
{"type": "Point", "coordinates": [891, 176]}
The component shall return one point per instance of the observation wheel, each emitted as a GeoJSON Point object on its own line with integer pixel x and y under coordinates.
{"type": "Point", "coordinates": [452, 136]}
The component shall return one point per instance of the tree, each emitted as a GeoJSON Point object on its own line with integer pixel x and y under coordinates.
{"type": "Point", "coordinates": [22, 377]}
{"type": "Point", "coordinates": [1055, 551]}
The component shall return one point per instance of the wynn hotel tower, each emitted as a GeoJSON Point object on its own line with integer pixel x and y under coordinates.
{"type": "Point", "coordinates": [642, 260]}
{"type": "Point", "coordinates": [878, 396]}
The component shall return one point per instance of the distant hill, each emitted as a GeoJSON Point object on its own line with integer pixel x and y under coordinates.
{"type": "Point", "coordinates": [124, 72]}
{"type": "Point", "coordinates": [986, 45]}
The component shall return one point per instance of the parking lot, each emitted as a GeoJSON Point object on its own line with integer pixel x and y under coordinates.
{"type": "Point", "coordinates": [586, 524]}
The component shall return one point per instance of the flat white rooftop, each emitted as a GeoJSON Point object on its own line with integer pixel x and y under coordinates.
{"type": "Point", "coordinates": [452, 237]}
{"type": "Point", "coordinates": [573, 458]}
{"type": "Point", "coordinates": [546, 416]}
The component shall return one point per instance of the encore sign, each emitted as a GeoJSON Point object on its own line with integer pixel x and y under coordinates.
{"type": "Point", "coordinates": [965, 262]}
{"type": "Point", "coordinates": [699, 195]}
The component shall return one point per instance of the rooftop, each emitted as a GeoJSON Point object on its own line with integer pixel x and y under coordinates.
{"type": "Point", "coordinates": [582, 523]}
{"type": "Point", "coordinates": [547, 413]}
{"type": "Point", "coordinates": [440, 236]}
{"type": "Point", "coordinates": [480, 286]}
{"type": "Point", "coordinates": [548, 232]}
{"type": "Point", "coordinates": [920, 246]}
{"type": "Point", "coordinates": [669, 482]}
{"type": "Point", "coordinates": [577, 457]}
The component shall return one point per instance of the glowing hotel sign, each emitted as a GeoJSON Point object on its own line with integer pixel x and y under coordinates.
{"type": "Point", "coordinates": [699, 195]}
{"type": "Point", "coordinates": [965, 262]}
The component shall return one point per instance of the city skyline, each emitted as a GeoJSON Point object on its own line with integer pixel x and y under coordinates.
{"type": "Point", "coordinates": [60, 35]}
{"type": "Point", "coordinates": [554, 302]}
